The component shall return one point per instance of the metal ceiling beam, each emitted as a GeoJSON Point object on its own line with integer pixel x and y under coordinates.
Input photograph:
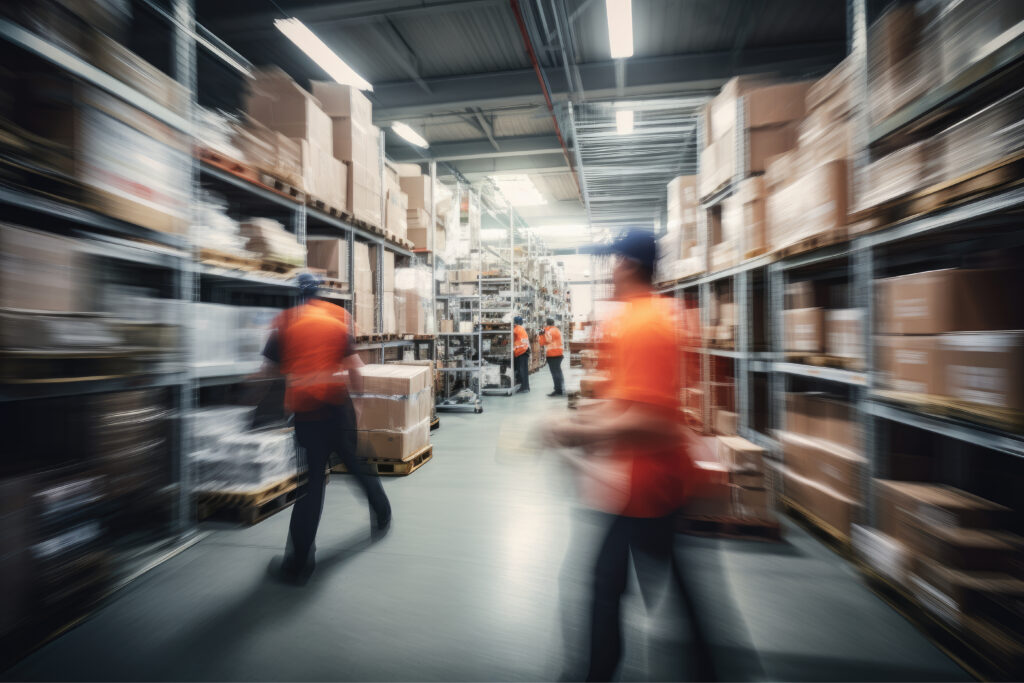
{"type": "Point", "coordinates": [525, 145]}
{"type": "Point", "coordinates": [396, 45]}
{"type": "Point", "coordinates": [327, 15]}
{"type": "Point", "coordinates": [534, 163]}
{"type": "Point", "coordinates": [701, 72]}
{"type": "Point", "coordinates": [486, 127]}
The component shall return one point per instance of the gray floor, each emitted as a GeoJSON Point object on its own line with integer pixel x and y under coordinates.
{"type": "Point", "coordinates": [483, 577]}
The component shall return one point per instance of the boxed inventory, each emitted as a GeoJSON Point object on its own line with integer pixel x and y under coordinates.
{"type": "Point", "coordinates": [279, 103]}
{"type": "Point", "coordinates": [337, 100]}
{"type": "Point", "coordinates": [844, 332]}
{"type": "Point", "coordinates": [804, 330]}
{"type": "Point", "coordinates": [950, 300]}
{"type": "Point", "coordinates": [329, 254]}
{"type": "Point", "coordinates": [911, 363]}
{"type": "Point", "coordinates": [825, 462]}
{"type": "Point", "coordinates": [985, 368]}
{"type": "Point", "coordinates": [41, 272]}
{"type": "Point", "coordinates": [394, 444]}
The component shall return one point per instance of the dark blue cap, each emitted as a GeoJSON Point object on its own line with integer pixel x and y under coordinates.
{"type": "Point", "coordinates": [636, 244]}
{"type": "Point", "coordinates": [308, 285]}
{"type": "Point", "coordinates": [518, 320]}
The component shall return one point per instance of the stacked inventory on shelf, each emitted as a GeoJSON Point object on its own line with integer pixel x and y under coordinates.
{"type": "Point", "coordinates": [858, 258]}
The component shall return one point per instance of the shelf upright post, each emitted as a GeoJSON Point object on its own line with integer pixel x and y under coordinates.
{"type": "Point", "coordinates": [742, 364]}
{"type": "Point", "coordinates": [432, 255]}
{"type": "Point", "coordinates": [513, 298]}
{"type": "Point", "coordinates": [299, 224]}
{"type": "Point", "coordinates": [185, 73]}
{"type": "Point", "coordinates": [777, 297]}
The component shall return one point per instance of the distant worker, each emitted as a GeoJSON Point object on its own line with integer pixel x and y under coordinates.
{"type": "Point", "coordinates": [312, 344]}
{"type": "Point", "coordinates": [551, 340]}
{"type": "Point", "coordinates": [521, 353]}
{"type": "Point", "coordinates": [635, 460]}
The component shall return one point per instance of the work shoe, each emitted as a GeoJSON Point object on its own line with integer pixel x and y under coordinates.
{"type": "Point", "coordinates": [556, 393]}
{"type": "Point", "coordinates": [522, 391]}
{"type": "Point", "coordinates": [380, 524]}
{"type": "Point", "coordinates": [285, 570]}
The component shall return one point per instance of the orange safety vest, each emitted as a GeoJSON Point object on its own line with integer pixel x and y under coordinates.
{"type": "Point", "coordinates": [522, 340]}
{"type": "Point", "coordinates": [552, 341]}
{"type": "Point", "coordinates": [313, 338]}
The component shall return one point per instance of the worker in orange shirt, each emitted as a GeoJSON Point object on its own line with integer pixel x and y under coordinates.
{"type": "Point", "coordinates": [521, 354]}
{"type": "Point", "coordinates": [551, 339]}
{"type": "Point", "coordinates": [635, 465]}
{"type": "Point", "coordinates": [312, 344]}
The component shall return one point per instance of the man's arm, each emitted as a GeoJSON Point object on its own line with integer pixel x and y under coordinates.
{"type": "Point", "coordinates": [616, 421]}
{"type": "Point", "coordinates": [353, 361]}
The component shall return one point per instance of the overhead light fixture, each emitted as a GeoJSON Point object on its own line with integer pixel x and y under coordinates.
{"type": "Point", "coordinates": [409, 135]}
{"type": "Point", "coordinates": [624, 121]}
{"type": "Point", "coordinates": [518, 190]}
{"type": "Point", "coordinates": [317, 50]}
{"type": "Point", "coordinates": [620, 27]}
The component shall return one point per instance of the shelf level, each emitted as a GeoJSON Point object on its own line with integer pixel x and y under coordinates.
{"type": "Point", "coordinates": [949, 427]}
{"type": "Point", "coordinates": [827, 374]}
{"type": "Point", "coordinates": [85, 386]}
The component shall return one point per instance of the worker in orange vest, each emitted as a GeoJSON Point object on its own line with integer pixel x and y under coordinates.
{"type": "Point", "coordinates": [551, 340]}
{"type": "Point", "coordinates": [311, 345]}
{"type": "Point", "coordinates": [521, 352]}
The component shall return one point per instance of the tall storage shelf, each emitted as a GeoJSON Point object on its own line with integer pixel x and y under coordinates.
{"type": "Point", "coordinates": [901, 436]}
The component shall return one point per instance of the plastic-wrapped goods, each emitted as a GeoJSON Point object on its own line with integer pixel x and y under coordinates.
{"type": "Point", "coordinates": [215, 130]}
{"type": "Point", "coordinates": [254, 330]}
{"type": "Point", "coordinates": [413, 300]}
{"type": "Point", "coordinates": [216, 230]}
{"type": "Point", "coordinates": [209, 425]}
{"type": "Point", "coordinates": [269, 238]}
{"type": "Point", "coordinates": [246, 462]}
{"type": "Point", "coordinates": [988, 136]}
{"type": "Point", "coordinates": [970, 30]}
{"type": "Point", "coordinates": [215, 333]}
{"type": "Point", "coordinates": [377, 411]}
{"type": "Point", "coordinates": [903, 64]}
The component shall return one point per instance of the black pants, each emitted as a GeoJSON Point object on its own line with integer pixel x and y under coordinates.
{"type": "Point", "coordinates": [649, 543]}
{"type": "Point", "coordinates": [555, 363]}
{"type": "Point", "coordinates": [523, 371]}
{"type": "Point", "coordinates": [317, 439]}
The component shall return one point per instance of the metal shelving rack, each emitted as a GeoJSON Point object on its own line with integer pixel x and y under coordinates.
{"type": "Point", "coordinates": [497, 288]}
{"type": "Point", "coordinates": [861, 259]}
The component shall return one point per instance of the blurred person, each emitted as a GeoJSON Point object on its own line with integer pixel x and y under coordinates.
{"type": "Point", "coordinates": [521, 352]}
{"type": "Point", "coordinates": [551, 340]}
{"type": "Point", "coordinates": [633, 452]}
{"type": "Point", "coordinates": [312, 344]}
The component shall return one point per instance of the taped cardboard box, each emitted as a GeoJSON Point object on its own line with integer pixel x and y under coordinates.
{"type": "Point", "coordinates": [328, 254]}
{"type": "Point", "coordinates": [985, 368]}
{"type": "Point", "coordinates": [844, 332]}
{"type": "Point", "coordinates": [826, 463]}
{"type": "Point", "coordinates": [725, 422]}
{"type": "Point", "coordinates": [905, 505]}
{"type": "Point", "coordinates": [804, 330]}
{"type": "Point", "coordinates": [42, 272]}
{"type": "Point", "coordinates": [394, 380]}
{"type": "Point", "coordinates": [343, 100]}
{"type": "Point", "coordinates": [950, 300]}
{"type": "Point", "coordinates": [739, 454]}
{"type": "Point", "coordinates": [418, 189]}
{"type": "Point", "coordinates": [954, 595]}
{"type": "Point", "coordinates": [915, 364]}
{"type": "Point", "coordinates": [392, 412]}
{"type": "Point", "coordinates": [831, 507]}
{"type": "Point", "coordinates": [974, 550]}
{"type": "Point", "coordinates": [276, 101]}
{"type": "Point", "coordinates": [398, 445]}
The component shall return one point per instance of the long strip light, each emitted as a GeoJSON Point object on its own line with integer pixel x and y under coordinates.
{"type": "Point", "coordinates": [317, 50]}
{"type": "Point", "coordinates": [624, 121]}
{"type": "Point", "coordinates": [409, 135]}
{"type": "Point", "coordinates": [620, 27]}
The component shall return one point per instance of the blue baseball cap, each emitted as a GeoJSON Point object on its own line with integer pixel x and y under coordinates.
{"type": "Point", "coordinates": [636, 244]}
{"type": "Point", "coordinates": [517, 320]}
{"type": "Point", "coordinates": [308, 284]}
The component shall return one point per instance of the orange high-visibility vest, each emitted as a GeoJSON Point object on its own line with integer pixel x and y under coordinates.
{"type": "Point", "coordinates": [314, 343]}
{"type": "Point", "coordinates": [521, 339]}
{"type": "Point", "coordinates": [552, 341]}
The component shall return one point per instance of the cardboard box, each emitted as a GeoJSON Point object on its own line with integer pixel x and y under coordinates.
{"type": "Point", "coordinates": [883, 553]}
{"type": "Point", "coordinates": [418, 190]}
{"type": "Point", "coordinates": [394, 444]}
{"type": "Point", "coordinates": [841, 426]}
{"type": "Point", "coordinates": [844, 332]}
{"type": "Point", "coordinates": [739, 454]}
{"type": "Point", "coordinates": [41, 272]}
{"type": "Point", "coordinates": [725, 422]}
{"type": "Point", "coordinates": [904, 505]}
{"type": "Point", "coordinates": [594, 385]}
{"type": "Point", "coordinates": [831, 465]}
{"type": "Point", "coordinates": [914, 364]}
{"type": "Point", "coordinates": [969, 549]}
{"type": "Point", "coordinates": [833, 92]}
{"type": "Point", "coordinates": [776, 104]}
{"type": "Point", "coordinates": [447, 326]}
{"type": "Point", "coordinates": [343, 100]}
{"type": "Point", "coordinates": [985, 368]}
{"type": "Point", "coordinates": [751, 503]}
{"type": "Point", "coordinates": [804, 330]}
{"type": "Point", "coordinates": [328, 254]}
{"type": "Point", "coordinates": [393, 413]}
{"type": "Point", "coordinates": [954, 595]}
{"type": "Point", "coordinates": [837, 511]}
{"type": "Point", "coordinates": [747, 480]}
{"type": "Point", "coordinates": [796, 413]}
{"type": "Point", "coordinates": [394, 380]}
{"type": "Point", "coordinates": [276, 101]}
{"type": "Point", "coordinates": [751, 196]}
{"type": "Point", "coordinates": [126, 66]}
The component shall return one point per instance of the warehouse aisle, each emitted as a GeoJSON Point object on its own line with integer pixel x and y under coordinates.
{"type": "Point", "coordinates": [472, 584]}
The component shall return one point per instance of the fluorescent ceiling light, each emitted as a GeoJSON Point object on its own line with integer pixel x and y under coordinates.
{"type": "Point", "coordinates": [620, 27]}
{"type": "Point", "coordinates": [409, 135]}
{"type": "Point", "coordinates": [518, 190]}
{"type": "Point", "coordinates": [624, 121]}
{"type": "Point", "coordinates": [318, 51]}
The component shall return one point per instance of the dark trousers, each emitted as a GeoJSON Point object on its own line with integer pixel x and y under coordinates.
{"type": "Point", "coordinates": [649, 543]}
{"type": "Point", "coordinates": [555, 363]}
{"type": "Point", "coordinates": [317, 440]}
{"type": "Point", "coordinates": [523, 371]}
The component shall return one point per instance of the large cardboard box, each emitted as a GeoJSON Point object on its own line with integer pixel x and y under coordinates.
{"type": "Point", "coordinates": [969, 549]}
{"type": "Point", "coordinates": [950, 300]}
{"type": "Point", "coordinates": [42, 272]}
{"type": "Point", "coordinates": [804, 330]}
{"type": "Point", "coordinates": [419, 237]}
{"type": "Point", "coordinates": [682, 201]}
{"type": "Point", "coordinates": [343, 100]}
{"type": "Point", "coordinates": [726, 422]}
{"type": "Point", "coordinates": [328, 254]}
{"type": "Point", "coordinates": [836, 510]}
{"type": "Point", "coordinates": [833, 92]}
{"type": "Point", "coordinates": [740, 455]}
{"type": "Point", "coordinates": [955, 595]}
{"type": "Point", "coordinates": [751, 196]}
{"type": "Point", "coordinates": [276, 101]}
{"type": "Point", "coordinates": [844, 332]}
{"type": "Point", "coordinates": [128, 67]}
{"type": "Point", "coordinates": [394, 444]}
{"type": "Point", "coordinates": [827, 463]}
{"type": "Point", "coordinates": [391, 412]}
{"type": "Point", "coordinates": [418, 190]}
{"type": "Point", "coordinates": [751, 503]}
{"type": "Point", "coordinates": [985, 368]}
{"type": "Point", "coordinates": [902, 506]}
{"type": "Point", "coordinates": [394, 380]}
{"type": "Point", "coordinates": [323, 176]}
{"type": "Point", "coordinates": [909, 363]}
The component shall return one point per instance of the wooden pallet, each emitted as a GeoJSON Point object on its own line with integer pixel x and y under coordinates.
{"type": "Point", "coordinates": [371, 338]}
{"type": "Point", "coordinates": [249, 507]}
{"type": "Point", "coordinates": [812, 242]}
{"type": "Point", "coordinates": [394, 468]}
{"type": "Point", "coordinates": [945, 406]}
{"type": "Point", "coordinates": [335, 285]}
{"type": "Point", "coordinates": [720, 345]}
{"type": "Point", "coordinates": [754, 253]}
{"type": "Point", "coordinates": [220, 259]}
{"type": "Point", "coordinates": [250, 174]}
{"type": "Point", "coordinates": [1000, 175]}
{"type": "Point", "coordinates": [435, 423]}
{"type": "Point", "coordinates": [834, 538]}
{"type": "Point", "coordinates": [738, 528]}
{"type": "Point", "coordinates": [826, 361]}
{"type": "Point", "coordinates": [416, 337]}
{"type": "Point", "coordinates": [330, 209]}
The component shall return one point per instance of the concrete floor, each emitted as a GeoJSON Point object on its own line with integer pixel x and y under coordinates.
{"type": "Point", "coordinates": [482, 577]}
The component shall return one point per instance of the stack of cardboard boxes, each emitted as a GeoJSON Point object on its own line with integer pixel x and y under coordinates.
{"type": "Point", "coordinates": [823, 469]}
{"type": "Point", "coordinates": [396, 209]}
{"type": "Point", "coordinates": [678, 249]}
{"type": "Point", "coordinates": [364, 304]}
{"type": "Point", "coordinates": [356, 142]}
{"type": "Point", "coordinates": [733, 482]}
{"type": "Point", "coordinates": [953, 333]}
{"type": "Point", "coordinates": [387, 291]}
{"type": "Point", "coordinates": [417, 189]}
{"type": "Point", "coordinates": [413, 300]}
{"type": "Point", "coordinates": [328, 254]}
{"type": "Point", "coordinates": [393, 411]}
{"type": "Point", "coordinates": [956, 554]}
